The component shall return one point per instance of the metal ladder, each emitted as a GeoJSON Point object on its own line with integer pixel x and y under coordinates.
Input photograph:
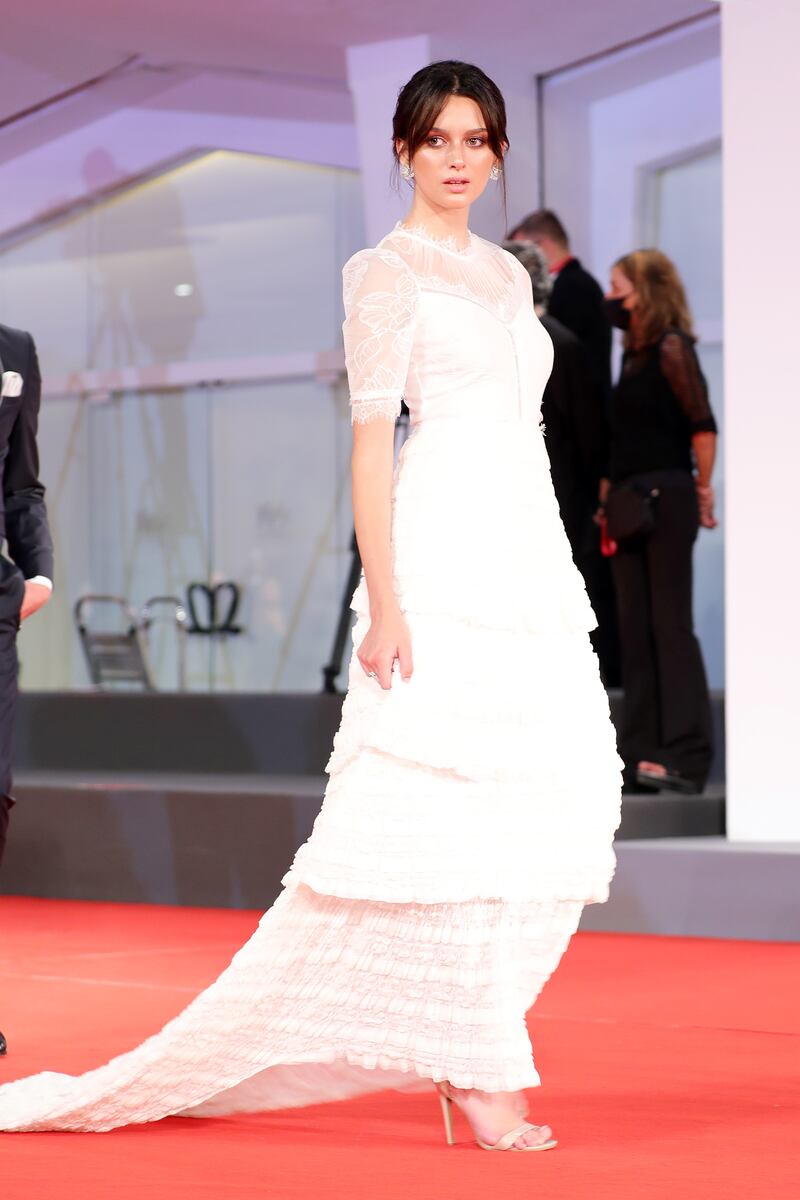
{"type": "Point", "coordinates": [119, 656]}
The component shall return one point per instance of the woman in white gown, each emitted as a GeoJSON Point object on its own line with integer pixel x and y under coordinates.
{"type": "Point", "coordinates": [474, 782]}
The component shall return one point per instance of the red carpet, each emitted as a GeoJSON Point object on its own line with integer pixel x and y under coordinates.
{"type": "Point", "coordinates": [671, 1068]}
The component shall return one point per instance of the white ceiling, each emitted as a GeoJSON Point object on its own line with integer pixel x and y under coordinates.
{"type": "Point", "coordinates": [50, 46]}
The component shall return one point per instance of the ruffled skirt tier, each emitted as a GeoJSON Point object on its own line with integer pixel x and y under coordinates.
{"type": "Point", "coordinates": [477, 535]}
{"type": "Point", "coordinates": [330, 998]}
{"type": "Point", "coordinates": [493, 772]}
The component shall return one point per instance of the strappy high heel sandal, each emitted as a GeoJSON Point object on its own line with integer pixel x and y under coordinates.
{"type": "Point", "coordinates": [506, 1142]}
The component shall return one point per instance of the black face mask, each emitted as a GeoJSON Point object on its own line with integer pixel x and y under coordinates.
{"type": "Point", "coordinates": [618, 316]}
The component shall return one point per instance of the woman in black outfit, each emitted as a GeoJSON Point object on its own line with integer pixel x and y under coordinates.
{"type": "Point", "coordinates": [663, 443]}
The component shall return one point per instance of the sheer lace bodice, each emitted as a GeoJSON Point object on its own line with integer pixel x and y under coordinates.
{"type": "Point", "coordinates": [454, 333]}
{"type": "Point", "coordinates": [409, 334]}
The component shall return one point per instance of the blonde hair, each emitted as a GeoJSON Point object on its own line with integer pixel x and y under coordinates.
{"type": "Point", "coordinates": [662, 300]}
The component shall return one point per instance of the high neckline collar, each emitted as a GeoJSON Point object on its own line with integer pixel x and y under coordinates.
{"type": "Point", "coordinates": [448, 243]}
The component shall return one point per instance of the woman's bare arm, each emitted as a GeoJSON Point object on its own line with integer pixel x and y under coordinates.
{"type": "Point", "coordinates": [705, 451]}
{"type": "Point", "coordinates": [373, 464]}
{"type": "Point", "coordinates": [704, 446]}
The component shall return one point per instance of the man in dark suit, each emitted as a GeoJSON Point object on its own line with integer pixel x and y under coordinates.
{"type": "Point", "coordinates": [576, 299]}
{"type": "Point", "coordinates": [577, 441]}
{"type": "Point", "coordinates": [26, 575]}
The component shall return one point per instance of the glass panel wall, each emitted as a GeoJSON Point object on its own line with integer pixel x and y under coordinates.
{"type": "Point", "coordinates": [49, 651]}
{"type": "Point", "coordinates": [149, 517]}
{"type": "Point", "coordinates": [219, 260]}
{"type": "Point", "coordinates": [280, 513]}
{"type": "Point", "coordinates": [228, 255]}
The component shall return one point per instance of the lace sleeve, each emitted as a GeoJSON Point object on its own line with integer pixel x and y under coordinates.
{"type": "Point", "coordinates": [380, 304]}
{"type": "Point", "coordinates": [682, 371]}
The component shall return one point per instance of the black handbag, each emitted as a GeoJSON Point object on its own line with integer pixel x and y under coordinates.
{"type": "Point", "coordinates": [630, 511]}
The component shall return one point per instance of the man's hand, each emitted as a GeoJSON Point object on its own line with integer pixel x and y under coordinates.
{"type": "Point", "coordinates": [36, 596]}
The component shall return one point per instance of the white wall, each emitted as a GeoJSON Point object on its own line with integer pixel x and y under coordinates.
{"type": "Point", "coordinates": [376, 72]}
{"type": "Point", "coordinates": [762, 267]}
{"type": "Point", "coordinates": [571, 157]}
{"type": "Point", "coordinates": [658, 121]}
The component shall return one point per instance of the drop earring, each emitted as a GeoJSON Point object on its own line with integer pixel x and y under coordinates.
{"type": "Point", "coordinates": [495, 172]}
{"type": "Point", "coordinates": [406, 170]}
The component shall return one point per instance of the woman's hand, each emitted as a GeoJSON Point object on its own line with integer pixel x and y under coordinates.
{"type": "Point", "coordinates": [387, 639]}
{"type": "Point", "coordinates": [705, 504]}
{"type": "Point", "coordinates": [704, 447]}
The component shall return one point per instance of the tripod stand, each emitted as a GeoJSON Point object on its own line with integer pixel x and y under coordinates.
{"type": "Point", "coordinates": [333, 669]}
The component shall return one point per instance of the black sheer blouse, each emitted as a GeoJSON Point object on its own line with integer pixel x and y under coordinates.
{"type": "Point", "coordinates": [659, 403]}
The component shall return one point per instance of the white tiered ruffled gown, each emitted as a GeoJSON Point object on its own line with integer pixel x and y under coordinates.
{"type": "Point", "coordinates": [470, 812]}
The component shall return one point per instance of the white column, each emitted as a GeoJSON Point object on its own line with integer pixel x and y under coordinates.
{"type": "Point", "coordinates": [376, 73]}
{"type": "Point", "coordinates": [761, 95]}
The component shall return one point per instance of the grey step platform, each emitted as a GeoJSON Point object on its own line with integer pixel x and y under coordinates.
{"type": "Point", "coordinates": [223, 733]}
{"type": "Point", "coordinates": [703, 887]}
{"type": "Point", "coordinates": [227, 841]}
{"type": "Point", "coordinates": [216, 733]}
{"type": "Point", "coordinates": [205, 839]}
{"type": "Point", "coordinates": [201, 799]}
{"type": "Point", "coordinates": [211, 840]}
{"type": "Point", "coordinates": [667, 815]}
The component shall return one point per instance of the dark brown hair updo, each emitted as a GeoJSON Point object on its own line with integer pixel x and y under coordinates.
{"type": "Point", "coordinates": [425, 95]}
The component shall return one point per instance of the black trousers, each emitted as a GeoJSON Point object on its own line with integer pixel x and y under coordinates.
{"type": "Point", "coordinates": [667, 710]}
{"type": "Point", "coordinates": [600, 589]}
{"type": "Point", "coordinates": [12, 589]}
{"type": "Point", "coordinates": [8, 713]}
{"type": "Point", "coordinates": [584, 540]}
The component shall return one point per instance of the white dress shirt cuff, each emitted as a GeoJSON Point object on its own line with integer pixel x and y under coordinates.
{"type": "Point", "coordinates": [43, 580]}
